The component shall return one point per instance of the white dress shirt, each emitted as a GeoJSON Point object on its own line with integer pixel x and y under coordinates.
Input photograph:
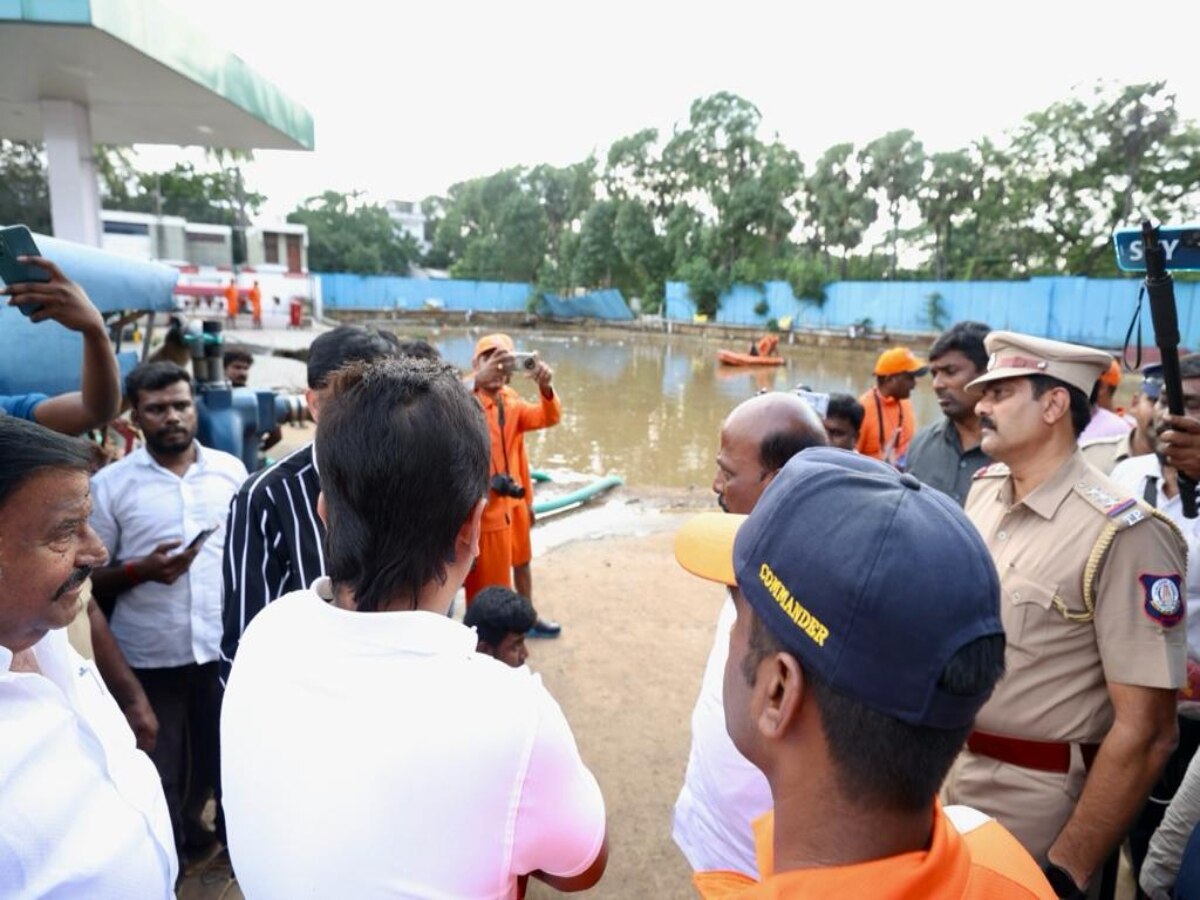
{"type": "Point", "coordinates": [137, 505]}
{"type": "Point", "coordinates": [722, 790]}
{"type": "Point", "coordinates": [82, 812]}
{"type": "Point", "coordinates": [1132, 474]}
{"type": "Point", "coordinates": [374, 755]}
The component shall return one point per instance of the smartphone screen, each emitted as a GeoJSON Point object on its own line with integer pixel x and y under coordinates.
{"type": "Point", "coordinates": [199, 539]}
{"type": "Point", "coordinates": [17, 241]}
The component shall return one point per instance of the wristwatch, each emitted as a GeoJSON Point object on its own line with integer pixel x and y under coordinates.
{"type": "Point", "coordinates": [1061, 882]}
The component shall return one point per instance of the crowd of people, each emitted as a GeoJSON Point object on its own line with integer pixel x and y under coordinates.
{"type": "Point", "coordinates": [952, 661]}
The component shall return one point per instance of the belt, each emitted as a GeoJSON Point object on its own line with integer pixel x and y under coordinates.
{"type": "Point", "coordinates": [1045, 756]}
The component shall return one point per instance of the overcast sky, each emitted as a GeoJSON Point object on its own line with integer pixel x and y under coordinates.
{"type": "Point", "coordinates": [409, 98]}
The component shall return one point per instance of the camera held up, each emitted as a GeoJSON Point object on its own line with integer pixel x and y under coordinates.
{"type": "Point", "coordinates": [506, 486]}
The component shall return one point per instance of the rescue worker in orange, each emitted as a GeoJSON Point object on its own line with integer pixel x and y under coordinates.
{"type": "Point", "coordinates": [764, 346]}
{"type": "Point", "coordinates": [256, 304]}
{"type": "Point", "coordinates": [231, 303]}
{"type": "Point", "coordinates": [890, 422]}
{"type": "Point", "coordinates": [508, 418]}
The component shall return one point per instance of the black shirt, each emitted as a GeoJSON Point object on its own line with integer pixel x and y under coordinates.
{"type": "Point", "coordinates": [274, 544]}
{"type": "Point", "coordinates": [936, 457]}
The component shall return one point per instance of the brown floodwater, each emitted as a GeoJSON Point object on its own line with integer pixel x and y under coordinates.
{"type": "Point", "coordinates": [648, 407]}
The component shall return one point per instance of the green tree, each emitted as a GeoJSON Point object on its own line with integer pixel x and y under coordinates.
{"type": "Point", "coordinates": [838, 205]}
{"type": "Point", "coordinates": [24, 190]}
{"type": "Point", "coordinates": [945, 197]}
{"type": "Point", "coordinates": [347, 235]}
{"type": "Point", "coordinates": [1098, 161]}
{"type": "Point", "coordinates": [893, 165]}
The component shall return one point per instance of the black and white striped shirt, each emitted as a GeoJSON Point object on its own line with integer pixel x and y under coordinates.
{"type": "Point", "coordinates": [274, 543]}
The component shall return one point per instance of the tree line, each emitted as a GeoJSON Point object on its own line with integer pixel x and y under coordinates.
{"type": "Point", "coordinates": [716, 202]}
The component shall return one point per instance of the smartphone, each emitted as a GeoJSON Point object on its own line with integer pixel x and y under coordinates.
{"type": "Point", "coordinates": [198, 540]}
{"type": "Point", "coordinates": [15, 241]}
{"type": "Point", "coordinates": [818, 401]}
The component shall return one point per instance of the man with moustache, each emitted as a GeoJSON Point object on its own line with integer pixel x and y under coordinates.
{"type": "Point", "coordinates": [723, 793]}
{"type": "Point", "coordinates": [82, 813]}
{"type": "Point", "coordinates": [1066, 750]}
{"type": "Point", "coordinates": [170, 494]}
{"type": "Point", "coordinates": [946, 455]}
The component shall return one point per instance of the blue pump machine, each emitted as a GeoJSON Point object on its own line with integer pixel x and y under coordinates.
{"type": "Point", "coordinates": [233, 419]}
{"type": "Point", "coordinates": [46, 358]}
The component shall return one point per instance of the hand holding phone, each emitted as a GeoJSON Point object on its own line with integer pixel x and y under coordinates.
{"type": "Point", "coordinates": [198, 541]}
{"type": "Point", "coordinates": [17, 242]}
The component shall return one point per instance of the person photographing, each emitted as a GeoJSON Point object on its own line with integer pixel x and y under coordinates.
{"type": "Point", "coordinates": [508, 417]}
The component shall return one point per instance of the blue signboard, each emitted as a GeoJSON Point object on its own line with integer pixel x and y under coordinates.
{"type": "Point", "coordinates": [1181, 246]}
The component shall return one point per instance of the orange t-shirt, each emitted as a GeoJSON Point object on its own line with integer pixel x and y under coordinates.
{"type": "Point", "coordinates": [886, 421]}
{"type": "Point", "coordinates": [970, 857]}
{"type": "Point", "coordinates": [519, 416]}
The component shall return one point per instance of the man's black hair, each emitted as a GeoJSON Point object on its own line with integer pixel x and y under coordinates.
{"type": "Point", "coordinates": [419, 349]}
{"type": "Point", "coordinates": [27, 448]}
{"type": "Point", "coordinates": [880, 761]}
{"type": "Point", "coordinates": [779, 446]}
{"type": "Point", "coordinates": [1081, 405]}
{"type": "Point", "coordinates": [843, 406]}
{"type": "Point", "coordinates": [497, 612]}
{"type": "Point", "coordinates": [347, 344]}
{"type": "Point", "coordinates": [403, 455]}
{"type": "Point", "coordinates": [967, 338]}
{"type": "Point", "coordinates": [1189, 366]}
{"type": "Point", "coordinates": [154, 376]}
{"type": "Point", "coordinates": [236, 354]}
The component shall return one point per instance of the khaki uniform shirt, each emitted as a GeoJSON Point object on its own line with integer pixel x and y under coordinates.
{"type": "Point", "coordinates": [1104, 453]}
{"type": "Point", "coordinates": [1059, 658]}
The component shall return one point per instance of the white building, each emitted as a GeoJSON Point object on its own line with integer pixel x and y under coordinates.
{"type": "Point", "coordinates": [409, 219]}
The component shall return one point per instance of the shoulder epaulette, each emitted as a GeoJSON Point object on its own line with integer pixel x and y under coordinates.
{"type": "Point", "coordinates": [992, 470]}
{"type": "Point", "coordinates": [1122, 509]}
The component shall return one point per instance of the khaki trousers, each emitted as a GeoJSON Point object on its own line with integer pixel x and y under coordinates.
{"type": "Point", "coordinates": [1033, 805]}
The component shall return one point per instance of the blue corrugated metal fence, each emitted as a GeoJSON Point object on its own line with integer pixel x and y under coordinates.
{"type": "Point", "coordinates": [1083, 310]}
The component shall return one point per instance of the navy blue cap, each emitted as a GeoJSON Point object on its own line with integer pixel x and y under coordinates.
{"type": "Point", "coordinates": [1152, 382]}
{"type": "Point", "coordinates": [870, 579]}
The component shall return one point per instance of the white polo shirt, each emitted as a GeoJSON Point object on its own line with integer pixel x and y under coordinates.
{"type": "Point", "coordinates": [82, 812]}
{"type": "Point", "coordinates": [378, 755]}
{"type": "Point", "coordinates": [137, 505]}
{"type": "Point", "coordinates": [722, 791]}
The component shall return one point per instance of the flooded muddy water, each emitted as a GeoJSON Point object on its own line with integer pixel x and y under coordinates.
{"type": "Point", "coordinates": [648, 407]}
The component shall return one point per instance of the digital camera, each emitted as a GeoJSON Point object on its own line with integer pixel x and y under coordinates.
{"type": "Point", "coordinates": [506, 486]}
{"type": "Point", "coordinates": [526, 361]}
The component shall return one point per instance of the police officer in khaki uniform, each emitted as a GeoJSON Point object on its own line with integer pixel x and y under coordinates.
{"type": "Point", "coordinates": [1065, 752]}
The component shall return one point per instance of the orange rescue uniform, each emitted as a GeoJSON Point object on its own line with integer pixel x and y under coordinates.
{"type": "Point", "coordinates": [884, 417]}
{"type": "Point", "coordinates": [522, 511]}
{"type": "Point", "coordinates": [970, 858]}
{"type": "Point", "coordinates": [495, 561]}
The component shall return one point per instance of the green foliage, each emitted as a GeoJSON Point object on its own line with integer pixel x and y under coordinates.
{"type": "Point", "coordinates": [807, 278]}
{"type": "Point", "coordinates": [346, 235]}
{"type": "Point", "coordinates": [893, 165]}
{"type": "Point", "coordinates": [936, 315]}
{"type": "Point", "coordinates": [838, 205]}
{"type": "Point", "coordinates": [24, 193]}
{"type": "Point", "coordinates": [717, 201]}
{"type": "Point", "coordinates": [705, 284]}
{"type": "Point", "coordinates": [762, 307]}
